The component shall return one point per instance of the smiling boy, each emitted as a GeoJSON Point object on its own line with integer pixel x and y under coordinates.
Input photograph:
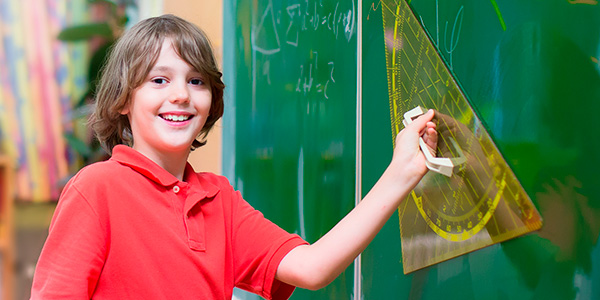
{"type": "Point", "coordinates": [145, 225]}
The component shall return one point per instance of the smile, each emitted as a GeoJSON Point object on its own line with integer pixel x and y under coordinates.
{"type": "Point", "coordinates": [176, 118]}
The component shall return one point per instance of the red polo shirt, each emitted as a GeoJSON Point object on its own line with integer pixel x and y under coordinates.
{"type": "Point", "coordinates": [128, 229]}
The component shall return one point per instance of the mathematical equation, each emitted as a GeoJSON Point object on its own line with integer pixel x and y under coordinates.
{"type": "Point", "coordinates": [291, 37]}
{"type": "Point", "coordinates": [306, 79]}
{"type": "Point", "coordinates": [314, 16]}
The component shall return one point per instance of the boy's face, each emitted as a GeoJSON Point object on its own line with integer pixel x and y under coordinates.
{"type": "Point", "coordinates": [168, 110]}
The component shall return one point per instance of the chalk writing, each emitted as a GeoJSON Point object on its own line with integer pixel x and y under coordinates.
{"type": "Point", "coordinates": [292, 38]}
{"type": "Point", "coordinates": [374, 7]}
{"type": "Point", "coordinates": [451, 43]}
{"type": "Point", "coordinates": [298, 24]}
{"type": "Point", "coordinates": [455, 33]}
{"type": "Point", "coordinates": [300, 17]}
{"type": "Point", "coordinates": [265, 72]}
{"type": "Point", "coordinates": [264, 37]}
{"type": "Point", "coordinates": [306, 80]}
{"type": "Point", "coordinates": [309, 16]}
{"type": "Point", "coordinates": [314, 16]}
{"type": "Point", "coordinates": [590, 2]}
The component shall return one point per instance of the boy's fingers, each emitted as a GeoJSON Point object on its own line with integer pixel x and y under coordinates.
{"type": "Point", "coordinates": [431, 136]}
{"type": "Point", "coordinates": [421, 121]}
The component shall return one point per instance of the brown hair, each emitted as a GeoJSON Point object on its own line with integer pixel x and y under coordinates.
{"type": "Point", "coordinates": [130, 61]}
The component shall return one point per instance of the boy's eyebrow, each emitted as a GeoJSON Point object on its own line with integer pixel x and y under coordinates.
{"type": "Point", "coordinates": [161, 68]}
{"type": "Point", "coordinates": [168, 69]}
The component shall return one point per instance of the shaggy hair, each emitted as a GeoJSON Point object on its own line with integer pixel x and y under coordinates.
{"type": "Point", "coordinates": [129, 63]}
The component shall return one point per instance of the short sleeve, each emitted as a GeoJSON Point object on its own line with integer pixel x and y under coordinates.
{"type": "Point", "coordinates": [259, 246]}
{"type": "Point", "coordinates": [74, 252]}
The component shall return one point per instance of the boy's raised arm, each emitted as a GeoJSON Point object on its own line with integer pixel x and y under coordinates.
{"type": "Point", "coordinates": [314, 266]}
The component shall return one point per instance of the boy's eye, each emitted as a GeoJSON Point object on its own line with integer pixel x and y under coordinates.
{"type": "Point", "coordinates": [196, 81]}
{"type": "Point", "coordinates": [159, 80]}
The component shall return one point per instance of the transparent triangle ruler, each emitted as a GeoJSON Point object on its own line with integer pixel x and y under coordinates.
{"type": "Point", "coordinates": [481, 202]}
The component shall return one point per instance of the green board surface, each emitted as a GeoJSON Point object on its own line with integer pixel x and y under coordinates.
{"type": "Point", "coordinates": [530, 70]}
{"type": "Point", "coordinates": [292, 80]}
{"type": "Point", "coordinates": [534, 85]}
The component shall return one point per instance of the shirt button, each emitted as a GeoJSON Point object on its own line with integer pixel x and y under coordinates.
{"type": "Point", "coordinates": [176, 189]}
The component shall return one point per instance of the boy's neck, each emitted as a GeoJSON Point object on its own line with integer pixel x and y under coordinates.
{"type": "Point", "coordinates": [173, 163]}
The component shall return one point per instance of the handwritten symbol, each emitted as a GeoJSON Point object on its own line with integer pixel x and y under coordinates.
{"type": "Point", "coordinates": [306, 82]}
{"type": "Point", "coordinates": [291, 10]}
{"type": "Point", "coordinates": [331, 64]}
{"type": "Point", "coordinates": [261, 41]}
{"type": "Point", "coordinates": [590, 2]}
{"type": "Point", "coordinates": [373, 8]}
{"type": "Point", "coordinates": [454, 34]}
{"type": "Point", "coordinates": [456, 28]}
{"type": "Point", "coordinates": [266, 71]}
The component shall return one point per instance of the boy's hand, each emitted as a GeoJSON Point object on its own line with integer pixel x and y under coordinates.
{"type": "Point", "coordinates": [408, 159]}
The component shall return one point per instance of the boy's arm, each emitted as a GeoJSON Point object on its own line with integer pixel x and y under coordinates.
{"type": "Point", "coordinates": [314, 266]}
{"type": "Point", "coordinates": [74, 252]}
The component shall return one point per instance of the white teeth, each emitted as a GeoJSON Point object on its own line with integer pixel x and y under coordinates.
{"type": "Point", "coordinates": [175, 118]}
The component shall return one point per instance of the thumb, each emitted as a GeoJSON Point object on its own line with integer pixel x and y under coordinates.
{"type": "Point", "coordinates": [421, 121]}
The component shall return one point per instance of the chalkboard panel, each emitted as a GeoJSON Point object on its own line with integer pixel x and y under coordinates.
{"type": "Point", "coordinates": [530, 69]}
{"type": "Point", "coordinates": [291, 70]}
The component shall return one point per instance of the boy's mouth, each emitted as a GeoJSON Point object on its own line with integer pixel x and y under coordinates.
{"type": "Point", "coordinates": [175, 118]}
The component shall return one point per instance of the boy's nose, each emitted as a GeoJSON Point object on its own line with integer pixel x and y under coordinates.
{"type": "Point", "coordinates": [180, 95]}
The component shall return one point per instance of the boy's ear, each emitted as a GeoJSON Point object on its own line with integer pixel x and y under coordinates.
{"type": "Point", "coordinates": [125, 110]}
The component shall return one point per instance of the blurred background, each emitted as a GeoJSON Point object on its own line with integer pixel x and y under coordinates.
{"type": "Point", "coordinates": [533, 80]}
{"type": "Point", "coordinates": [50, 54]}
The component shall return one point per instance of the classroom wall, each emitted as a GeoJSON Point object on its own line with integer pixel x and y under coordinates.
{"type": "Point", "coordinates": [31, 220]}
{"type": "Point", "coordinates": [208, 15]}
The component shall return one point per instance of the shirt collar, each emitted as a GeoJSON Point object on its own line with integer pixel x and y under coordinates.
{"type": "Point", "coordinates": [130, 157]}
{"type": "Point", "coordinates": [142, 164]}
{"type": "Point", "coordinates": [204, 188]}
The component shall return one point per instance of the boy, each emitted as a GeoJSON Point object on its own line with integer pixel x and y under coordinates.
{"type": "Point", "coordinates": [144, 225]}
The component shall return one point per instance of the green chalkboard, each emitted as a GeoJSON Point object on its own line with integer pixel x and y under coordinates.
{"type": "Point", "coordinates": [530, 70]}
{"type": "Point", "coordinates": [290, 68]}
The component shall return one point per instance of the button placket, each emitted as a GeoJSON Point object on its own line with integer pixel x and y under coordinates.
{"type": "Point", "coordinates": [195, 228]}
{"type": "Point", "coordinates": [194, 218]}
